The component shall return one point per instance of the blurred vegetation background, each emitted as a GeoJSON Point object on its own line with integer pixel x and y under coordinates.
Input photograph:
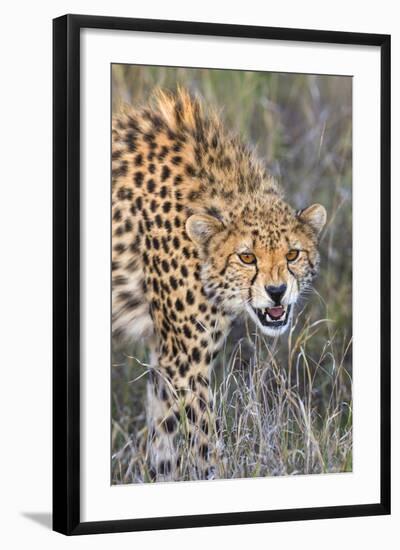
{"type": "Point", "coordinates": [301, 125]}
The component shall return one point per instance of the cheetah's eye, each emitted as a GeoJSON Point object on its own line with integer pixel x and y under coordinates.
{"type": "Point", "coordinates": [247, 258]}
{"type": "Point", "coordinates": [292, 255]}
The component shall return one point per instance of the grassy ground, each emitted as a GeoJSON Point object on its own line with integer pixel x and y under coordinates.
{"type": "Point", "coordinates": [285, 407]}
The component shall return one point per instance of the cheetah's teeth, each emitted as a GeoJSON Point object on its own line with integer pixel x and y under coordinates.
{"type": "Point", "coordinates": [275, 317]}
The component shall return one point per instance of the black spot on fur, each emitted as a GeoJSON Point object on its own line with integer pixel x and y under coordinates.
{"type": "Point", "coordinates": [190, 171]}
{"type": "Point", "coordinates": [190, 297]}
{"type": "Point", "coordinates": [183, 369]}
{"type": "Point", "coordinates": [170, 424]}
{"type": "Point", "coordinates": [178, 179]}
{"type": "Point", "coordinates": [165, 245]}
{"type": "Point", "coordinates": [151, 186]}
{"type": "Point", "coordinates": [139, 160]}
{"type": "Point", "coordinates": [138, 178]}
{"type": "Point", "coordinates": [165, 266]}
{"type": "Point", "coordinates": [155, 286]}
{"type": "Point", "coordinates": [176, 160]}
{"type": "Point", "coordinates": [173, 282]}
{"type": "Point", "coordinates": [145, 257]}
{"type": "Point", "coordinates": [130, 140]}
{"type": "Point", "coordinates": [117, 216]}
{"type": "Point", "coordinates": [166, 207]}
{"type": "Point", "coordinates": [119, 248]}
{"type": "Point", "coordinates": [165, 173]}
{"type": "Point", "coordinates": [164, 467]}
{"type": "Point", "coordinates": [196, 355]}
{"type": "Point", "coordinates": [163, 153]}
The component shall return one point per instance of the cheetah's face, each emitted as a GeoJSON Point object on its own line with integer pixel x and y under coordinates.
{"type": "Point", "coordinates": [260, 266]}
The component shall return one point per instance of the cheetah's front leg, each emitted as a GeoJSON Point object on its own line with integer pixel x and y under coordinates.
{"type": "Point", "coordinates": [180, 419]}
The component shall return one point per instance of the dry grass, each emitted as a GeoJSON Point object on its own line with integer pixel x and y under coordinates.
{"type": "Point", "coordinates": [280, 412]}
{"type": "Point", "coordinates": [285, 406]}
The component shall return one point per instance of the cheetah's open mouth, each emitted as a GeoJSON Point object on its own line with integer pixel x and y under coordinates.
{"type": "Point", "coordinates": [273, 317]}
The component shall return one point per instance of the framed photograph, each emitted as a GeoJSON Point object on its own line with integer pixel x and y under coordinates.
{"type": "Point", "coordinates": [221, 274]}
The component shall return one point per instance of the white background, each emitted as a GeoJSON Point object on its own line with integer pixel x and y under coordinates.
{"type": "Point", "coordinates": [26, 274]}
{"type": "Point", "coordinates": [100, 501]}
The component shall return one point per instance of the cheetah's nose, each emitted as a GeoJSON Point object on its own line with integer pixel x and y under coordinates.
{"type": "Point", "coordinates": [276, 292]}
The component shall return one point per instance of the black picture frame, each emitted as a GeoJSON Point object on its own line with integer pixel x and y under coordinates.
{"type": "Point", "coordinates": [66, 273]}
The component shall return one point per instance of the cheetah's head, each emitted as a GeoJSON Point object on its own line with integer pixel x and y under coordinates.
{"type": "Point", "coordinates": [259, 260]}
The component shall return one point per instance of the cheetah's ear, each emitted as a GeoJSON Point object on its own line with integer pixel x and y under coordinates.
{"type": "Point", "coordinates": [315, 215]}
{"type": "Point", "coordinates": [201, 227]}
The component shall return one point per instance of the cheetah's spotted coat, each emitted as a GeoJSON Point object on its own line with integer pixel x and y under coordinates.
{"type": "Point", "coordinates": [190, 206]}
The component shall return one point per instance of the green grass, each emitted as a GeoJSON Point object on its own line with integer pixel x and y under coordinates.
{"type": "Point", "coordinates": [285, 406]}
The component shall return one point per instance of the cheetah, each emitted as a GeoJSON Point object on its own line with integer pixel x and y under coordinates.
{"type": "Point", "coordinates": [201, 234]}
